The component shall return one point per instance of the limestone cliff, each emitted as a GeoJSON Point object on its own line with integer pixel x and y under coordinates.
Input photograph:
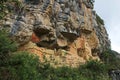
{"type": "Point", "coordinates": [63, 32]}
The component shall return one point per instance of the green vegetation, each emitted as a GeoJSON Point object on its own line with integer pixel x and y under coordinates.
{"type": "Point", "coordinates": [2, 9]}
{"type": "Point", "coordinates": [26, 66]}
{"type": "Point", "coordinates": [6, 47]}
{"type": "Point", "coordinates": [99, 20]}
{"type": "Point", "coordinates": [92, 1]}
{"type": "Point", "coordinates": [110, 58]}
{"type": "Point", "coordinates": [23, 66]}
{"type": "Point", "coordinates": [7, 6]}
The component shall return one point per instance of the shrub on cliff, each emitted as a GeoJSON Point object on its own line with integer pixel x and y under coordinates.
{"type": "Point", "coordinates": [21, 66]}
{"type": "Point", "coordinates": [94, 70]}
{"type": "Point", "coordinates": [16, 66]}
{"type": "Point", "coordinates": [24, 66]}
{"type": "Point", "coordinates": [99, 20]}
{"type": "Point", "coordinates": [6, 47]}
{"type": "Point", "coordinates": [110, 58]}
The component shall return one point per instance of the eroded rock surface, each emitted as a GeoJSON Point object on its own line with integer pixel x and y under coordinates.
{"type": "Point", "coordinates": [65, 32]}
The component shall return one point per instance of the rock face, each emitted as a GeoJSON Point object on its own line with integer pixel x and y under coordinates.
{"type": "Point", "coordinates": [65, 32]}
{"type": "Point", "coordinates": [114, 74]}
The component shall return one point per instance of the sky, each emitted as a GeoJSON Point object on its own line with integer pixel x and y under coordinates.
{"type": "Point", "coordinates": [109, 11]}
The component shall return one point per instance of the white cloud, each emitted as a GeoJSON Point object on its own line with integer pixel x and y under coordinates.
{"type": "Point", "coordinates": [116, 48]}
{"type": "Point", "coordinates": [109, 11]}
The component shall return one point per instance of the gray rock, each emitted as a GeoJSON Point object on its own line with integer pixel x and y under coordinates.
{"type": "Point", "coordinates": [56, 22]}
{"type": "Point", "coordinates": [62, 1]}
{"type": "Point", "coordinates": [63, 17]}
{"type": "Point", "coordinates": [88, 4]}
{"type": "Point", "coordinates": [114, 74]}
{"type": "Point", "coordinates": [67, 11]}
{"type": "Point", "coordinates": [17, 26]}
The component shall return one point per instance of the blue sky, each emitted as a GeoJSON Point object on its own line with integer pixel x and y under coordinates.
{"type": "Point", "coordinates": [109, 10]}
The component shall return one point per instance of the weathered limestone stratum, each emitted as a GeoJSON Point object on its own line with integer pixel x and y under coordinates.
{"type": "Point", "coordinates": [63, 32]}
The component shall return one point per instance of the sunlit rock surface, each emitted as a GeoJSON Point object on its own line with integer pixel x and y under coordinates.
{"type": "Point", "coordinates": [63, 32]}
